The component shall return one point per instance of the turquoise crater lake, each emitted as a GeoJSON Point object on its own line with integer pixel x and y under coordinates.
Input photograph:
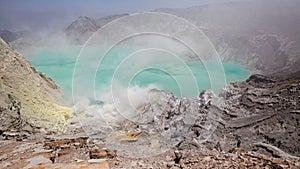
{"type": "Point", "coordinates": [59, 64]}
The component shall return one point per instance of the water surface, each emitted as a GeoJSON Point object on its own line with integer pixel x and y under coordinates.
{"type": "Point", "coordinates": [59, 63]}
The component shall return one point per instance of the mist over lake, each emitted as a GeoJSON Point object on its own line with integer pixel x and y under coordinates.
{"type": "Point", "coordinates": [59, 63]}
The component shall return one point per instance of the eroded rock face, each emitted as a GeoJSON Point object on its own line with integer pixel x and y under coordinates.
{"type": "Point", "coordinates": [261, 110]}
{"type": "Point", "coordinates": [39, 98]}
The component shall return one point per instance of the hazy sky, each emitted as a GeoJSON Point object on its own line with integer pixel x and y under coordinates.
{"type": "Point", "coordinates": [53, 14]}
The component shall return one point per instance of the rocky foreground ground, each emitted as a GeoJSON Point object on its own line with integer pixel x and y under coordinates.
{"type": "Point", "coordinates": [257, 127]}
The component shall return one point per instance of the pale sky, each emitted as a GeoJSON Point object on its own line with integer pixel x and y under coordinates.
{"type": "Point", "coordinates": [53, 14]}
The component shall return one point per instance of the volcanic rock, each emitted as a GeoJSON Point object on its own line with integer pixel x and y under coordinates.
{"type": "Point", "coordinates": [29, 94]}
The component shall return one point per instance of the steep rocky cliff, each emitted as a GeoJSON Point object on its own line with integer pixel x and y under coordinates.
{"type": "Point", "coordinates": [37, 97]}
{"type": "Point", "coordinates": [260, 34]}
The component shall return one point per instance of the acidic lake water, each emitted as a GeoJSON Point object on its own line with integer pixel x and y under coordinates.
{"type": "Point", "coordinates": [59, 64]}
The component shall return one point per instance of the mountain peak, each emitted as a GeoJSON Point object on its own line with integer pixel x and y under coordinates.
{"type": "Point", "coordinates": [83, 23]}
{"type": "Point", "coordinates": [81, 29]}
{"type": "Point", "coordinates": [84, 17]}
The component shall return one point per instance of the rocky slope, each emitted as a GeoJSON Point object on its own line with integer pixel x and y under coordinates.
{"type": "Point", "coordinates": [33, 95]}
{"type": "Point", "coordinates": [261, 34]}
{"type": "Point", "coordinates": [251, 124]}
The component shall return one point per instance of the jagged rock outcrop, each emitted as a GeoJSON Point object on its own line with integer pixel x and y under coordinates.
{"type": "Point", "coordinates": [255, 117]}
{"type": "Point", "coordinates": [38, 98]}
{"type": "Point", "coordinates": [261, 110]}
{"type": "Point", "coordinates": [260, 114]}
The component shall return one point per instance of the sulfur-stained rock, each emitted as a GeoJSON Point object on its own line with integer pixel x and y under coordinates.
{"type": "Point", "coordinates": [39, 98]}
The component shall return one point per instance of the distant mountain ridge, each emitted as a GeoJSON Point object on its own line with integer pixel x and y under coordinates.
{"type": "Point", "coordinates": [81, 29]}
{"type": "Point", "coordinates": [262, 35]}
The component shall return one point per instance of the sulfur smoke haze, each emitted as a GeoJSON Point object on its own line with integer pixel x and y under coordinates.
{"type": "Point", "coordinates": [16, 15]}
